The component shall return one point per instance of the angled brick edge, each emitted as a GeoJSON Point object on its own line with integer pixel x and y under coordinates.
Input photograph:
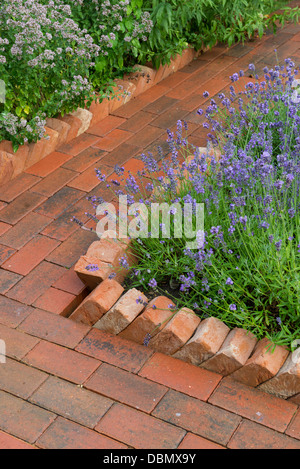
{"type": "Point", "coordinates": [61, 130]}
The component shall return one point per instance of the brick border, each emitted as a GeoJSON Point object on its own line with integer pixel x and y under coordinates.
{"type": "Point", "coordinates": [61, 130]}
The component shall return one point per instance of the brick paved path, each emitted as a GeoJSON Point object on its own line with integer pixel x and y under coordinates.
{"type": "Point", "coordinates": [66, 386]}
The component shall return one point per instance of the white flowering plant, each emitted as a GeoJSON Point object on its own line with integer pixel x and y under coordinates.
{"type": "Point", "coordinates": [119, 28]}
{"type": "Point", "coordinates": [44, 62]}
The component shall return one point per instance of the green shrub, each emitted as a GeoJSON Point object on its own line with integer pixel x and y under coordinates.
{"type": "Point", "coordinates": [206, 22]}
{"type": "Point", "coordinates": [118, 27]}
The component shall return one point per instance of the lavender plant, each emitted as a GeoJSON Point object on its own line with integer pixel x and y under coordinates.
{"type": "Point", "coordinates": [44, 62]}
{"type": "Point", "coordinates": [247, 273]}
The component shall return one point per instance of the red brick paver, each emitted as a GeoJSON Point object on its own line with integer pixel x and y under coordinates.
{"type": "Point", "coordinates": [71, 386]}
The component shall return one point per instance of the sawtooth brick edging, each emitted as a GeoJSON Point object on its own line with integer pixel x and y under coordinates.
{"type": "Point", "coordinates": [61, 130]}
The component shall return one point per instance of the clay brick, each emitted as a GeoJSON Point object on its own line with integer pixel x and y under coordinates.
{"type": "Point", "coordinates": [113, 140]}
{"type": "Point", "coordinates": [294, 427]}
{"type": "Point", "coordinates": [137, 122]}
{"type": "Point", "coordinates": [10, 442]}
{"type": "Point", "coordinates": [71, 283]}
{"type": "Point", "coordinates": [8, 280]}
{"type": "Point", "coordinates": [106, 125]}
{"type": "Point", "coordinates": [197, 417]}
{"type": "Point", "coordinates": [5, 253]}
{"type": "Point", "coordinates": [6, 167]}
{"type": "Point", "coordinates": [172, 373]}
{"type": "Point", "coordinates": [17, 343]}
{"type": "Point", "coordinates": [63, 226]}
{"type": "Point", "coordinates": [35, 283]}
{"type": "Point", "coordinates": [30, 255]}
{"type": "Point", "coordinates": [20, 184]}
{"type": "Point", "coordinates": [253, 404]}
{"type": "Point", "coordinates": [100, 110]}
{"type": "Point", "coordinates": [114, 350]}
{"type": "Point", "coordinates": [54, 182]}
{"type": "Point", "coordinates": [174, 80]}
{"type": "Point", "coordinates": [98, 302]}
{"type": "Point", "coordinates": [84, 160]}
{"type": "Point", "coordinates": [138, 429]}
{"type": "Point", "coordinates": [71, 401]}
{"type": "Point", "coordinates": [106, 250]}
{"type": "Point", "coordinates": [62, 128]}
{"type": "Point", "coordinates": [63, 434]}
{"type": "Point", "coordinates": [264, 363]}
{"type": "Point", "coordinates": [78, 144]}
{"type": "Point", "coordinates": [85, 117]}
{"type": "Point", "coordinates": [59, 202]}
{"type": "Point", "coordinates": [72, 248]}
{"type": "Point", "coordinates": [48, 164]}
{"type": "Point", "coordinates": [42, 148]}
{"type": "Point", "coordinates": [32, 421]}
{"type": "Point", "coordinates": [144, 137]}
{"type": "Point", "coordinates": [250, 435]}
{"type": "Point", "coordinates": [233, 354]}
{"type": "Point", "coordinates": [22, 205]}
{"type": "Point", "coordinates": [57, 302]}
{"type": "Point", "coordinates": [295, 399]}
{"type": "Point", "coordinates": [134, 391]}
{"type": "Point", "coordinates": [176, 333]}
{"type": "Point", "coordinates": [129, 109]}
{"type": "Point", "coordinates": [87, 180]}
{"type": "Point", "coordinates": [127, 308]}
{"type": "Point", "coordinates": [61, 362]}
{"type": "Point", "coordinates": [170, 117]}
{"type": "Point", "coordinates": [93, 278]}
{"type": "Point", "coordinates": [74, 124]}
{"type": "Point", "coordinates": [151, 321]}
{"type": "Point", "coordinates": [121, 154]}
{"type": "Point", "coordinates": [121, 97]}
{"type": "Point", "coordinates": [191, 441]}
{"type": "Point", "coordinates": [52, 328]}
{"type": "Point", "coordinates": [17, 163]}
{"type": "Point", "coordinates": [160, 105]}
{"type": "Point", "coordinates": [4, 227]}
{"type": "Point", "coordinates": [287, 381]}
{"type": "Point", "coordinates": [206, 341]}
{"type": "Point", "coordinates": [12, 312]}
{"type": "Point", "coordinates": [19, 379]}
{"type": "Point", "coordinates": [25, 230]}
{"type": "Point", "coordinates": [154, 93]}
